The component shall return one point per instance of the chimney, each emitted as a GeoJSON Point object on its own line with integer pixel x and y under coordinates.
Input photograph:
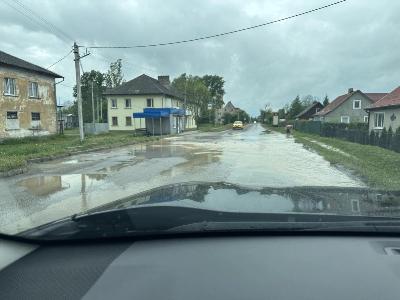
{"type": "Point", "coordinates": [164, 80]}
{"type": "Point", "coordinates": [351, 90]}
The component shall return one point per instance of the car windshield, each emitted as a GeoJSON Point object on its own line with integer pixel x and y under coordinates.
{"type": "Point", "coordinates": [252, 115]}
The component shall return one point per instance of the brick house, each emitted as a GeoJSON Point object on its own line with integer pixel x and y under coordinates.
{"type": "Point", "coordinates": [27, 98]}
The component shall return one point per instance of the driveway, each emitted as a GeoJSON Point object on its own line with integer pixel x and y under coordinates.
{"type": "Point", "coordinates": [60, 188]}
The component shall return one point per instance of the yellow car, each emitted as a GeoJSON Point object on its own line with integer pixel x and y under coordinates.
{"type": "Point", "coordinates": [237, 125]}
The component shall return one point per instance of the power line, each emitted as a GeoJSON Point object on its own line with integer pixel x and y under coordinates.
{"type": "Point", "coordinates": [218, 34]}
{"type": "Point", "coordinates": [48, 23]}
{"type": "Point", "coordinates": [62, 58]}
{"type": "Point", "coordinates": [109, 60]}
{"type": "Point", "coordinates": [26, 12]}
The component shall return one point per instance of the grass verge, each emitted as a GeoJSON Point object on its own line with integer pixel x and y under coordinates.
{"type": "Point", "coordinates": [14, 153]}
{"type": "Point", "coordinates": [213, 128]}
{"type": "Point", "coordinates": [378, 167]}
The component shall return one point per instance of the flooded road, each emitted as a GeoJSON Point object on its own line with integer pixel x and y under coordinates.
{"type": "Point", "coordinates": [251, 158]}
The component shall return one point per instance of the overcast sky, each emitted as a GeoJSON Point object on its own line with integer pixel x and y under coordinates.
{"type": "Point", "coordinates": [354, 44]}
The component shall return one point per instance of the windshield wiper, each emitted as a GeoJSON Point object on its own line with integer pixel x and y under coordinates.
{"type": "Point", "coordinates": [150, 220]}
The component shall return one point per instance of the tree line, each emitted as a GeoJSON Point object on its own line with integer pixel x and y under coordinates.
{"type": "Point", "coordinates": [203, 94]}
{"type": "Point", "coordinates": [291, 109]}
{"type": "Point", "coordinates": [100, 82]}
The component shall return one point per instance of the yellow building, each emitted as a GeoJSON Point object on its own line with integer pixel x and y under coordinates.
{"type": "Point", "coordinates": [141, 93]}
{"type": "Point", "coordinates": [27, 98]}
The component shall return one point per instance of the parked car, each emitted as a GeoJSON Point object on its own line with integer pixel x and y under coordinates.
{"type": "Point", "coordinates": [237, 125]}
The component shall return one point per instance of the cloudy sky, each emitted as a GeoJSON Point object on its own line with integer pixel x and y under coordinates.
{"type": "Point", "coordinates": [354, 44]}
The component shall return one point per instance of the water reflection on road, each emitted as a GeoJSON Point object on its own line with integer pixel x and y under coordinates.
{"type": "Point", "coordinates": [53, 190]}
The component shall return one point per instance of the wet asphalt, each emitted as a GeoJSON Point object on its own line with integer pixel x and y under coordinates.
{"type": "Point", "coordinates": [251, 157]}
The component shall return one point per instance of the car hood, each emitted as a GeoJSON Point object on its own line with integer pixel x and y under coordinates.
{"type": "Point", "coordinates": [233, 198]}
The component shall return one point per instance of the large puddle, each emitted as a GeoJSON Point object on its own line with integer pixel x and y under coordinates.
{"type": "Point", "coordinates": [247, 158]}
{"type": "Point", "coordinates": [43, 186]}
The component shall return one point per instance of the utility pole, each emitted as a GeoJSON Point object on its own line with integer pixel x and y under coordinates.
{"type": "Point", "coordinates": [185, 119]}
{"type": "Point", "coordinates": [78, 90]}
{"type": "Point", "coordinates": [93, 115]}
{"type": "Point", "coordinates": [101, 109]}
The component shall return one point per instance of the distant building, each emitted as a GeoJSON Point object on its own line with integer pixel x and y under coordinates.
{"type": "Point", "coordinates": [149, 99]}
{"type": "Point", "coordinates": [228, 108]}
{"type": "Point", "coordinates": [385, 112]}
{"type": "Point", "coordinates": [348, 108]}
{"type": "Point", "coordinates": [27, 98]}
{"type": "Point", "coordinates": [310, 111]}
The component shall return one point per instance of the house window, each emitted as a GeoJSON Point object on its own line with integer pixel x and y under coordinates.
{"type": "Point", "coordinates": [357, 104]}
{"type": "Point", "coordinates": [35, 123]}
{"type": "Point", "coordinates": [12, 121]}
{"type": "Point", "coordinates": [12, 115]}
{"type": "Point", "coordinates": [378, 120]}
{"type": "Point", "coordinates": [114, 121]}
{"type": "Point", "coordinates": [365, 119]}
{"type": "Point", "coordinates": [10, 86]}
{"type": "Point", "coordinates": [35, 116]}
{"type": "Point", "coordinates": [345, 119]}
{"type": "Point", "coordinates": [128, 103]}
{"type": "Point", "coordinates": [33, 90]}
{"type": "Point", "coordinates": [113, 103]}
{"type": "Point", "coordinates": [128, 121]}
{"type": "Point", "coordinates": [150, 102]}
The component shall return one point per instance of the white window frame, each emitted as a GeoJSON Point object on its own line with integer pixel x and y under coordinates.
{"type": "Point", "coordinates": [35, 123]}
{"type": "Point", "coordinates": [130, 103]}
{"type": "Point", "coordinates": [354, 104]}
{"type": "Point", "coordinates": [33, 90]}
{"type": "Point", "coordinates": [343, 117]}
{"type": "Point", "coordinates": [10, 86]}
{"type": "Point", "coordinates": [112, 103]}
{"type": "Point", "coordinates": [366, 119]}
{"type": "Point", "coordinates": [376, 120]}
{"type": "Point", "coordinates": [12, 123]}
{"type": "Point", "coordinates": [35, 113]}
{"type": "Point", "coordinates": [151, 102]}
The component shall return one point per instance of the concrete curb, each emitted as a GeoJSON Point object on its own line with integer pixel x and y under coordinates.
{"type": "Point", "coordinates": [22, 170]}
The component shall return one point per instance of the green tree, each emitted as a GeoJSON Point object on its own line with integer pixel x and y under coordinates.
{"type": "Point", "coordinates": [215, 85]}
{"type": "Point", "coordinates": [281, 113]}
{"type": "Point", "coordinates": [308, 100]}
{"type": "Point", "coordinates": [197, 94]}
{"type": "Point", "coordinates": [295, 107]}
{"type": "Point", "coordinates": [326, 101]}
{"type": "Point", "coordinates": [266, 116]}
{"type": "Point", "coordinates": [86, 88]}
{"type": "Point", "coordinates": [114, 76]}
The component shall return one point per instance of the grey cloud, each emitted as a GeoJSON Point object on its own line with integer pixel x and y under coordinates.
{"type": "Point", "coordinates": [351, 45]}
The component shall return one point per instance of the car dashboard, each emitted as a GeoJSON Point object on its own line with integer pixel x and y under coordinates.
{"type": "Point", "coordinates": [235, 267]}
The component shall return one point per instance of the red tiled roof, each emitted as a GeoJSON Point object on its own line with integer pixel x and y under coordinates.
{"type": "Point", "coordinates": [375, 96]}
{"type": "Point", "coordinates": [391, 99]}
{"type": "Point", "coordinates": [342, 98]}
{"type": "Point", "coordinates": [334, 104]}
